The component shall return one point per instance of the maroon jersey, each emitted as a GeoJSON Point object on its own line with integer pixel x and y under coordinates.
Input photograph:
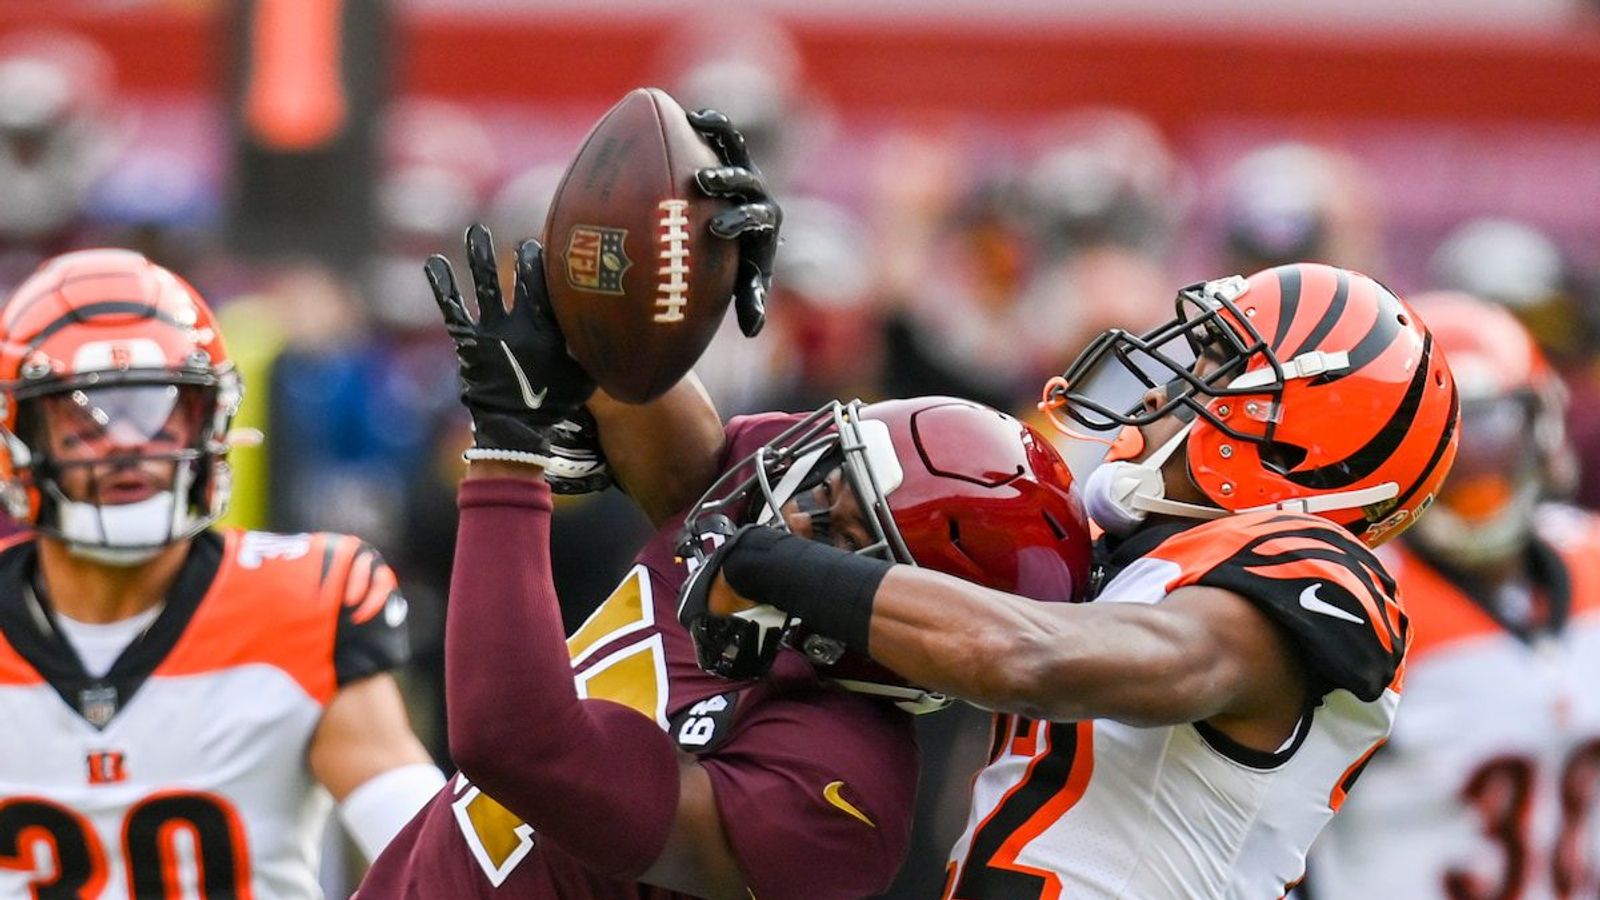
{"type": "Point", "coordinates": [814, 785]}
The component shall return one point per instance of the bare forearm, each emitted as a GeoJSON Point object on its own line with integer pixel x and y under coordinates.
{"type": "Point", "coordinates": [663, 453]}
{"type": "Point", "coordinates": [1044, 660]}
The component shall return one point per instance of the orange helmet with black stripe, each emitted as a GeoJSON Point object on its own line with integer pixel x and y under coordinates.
{"type": "Point", "coordinates": [118, 397]}
{"type": "Point", "coordinates": [1323, 393]}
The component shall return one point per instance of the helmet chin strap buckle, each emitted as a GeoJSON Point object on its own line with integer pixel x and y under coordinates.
{"type": "Point", "coordinates": [1306, 365]}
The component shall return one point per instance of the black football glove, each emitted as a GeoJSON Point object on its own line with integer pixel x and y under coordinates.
{"type": "Point", "coordinates": [754, 222]}
{"type": "Point", "coordinates": [744, 644]}
{"type": "Point", "coordinates": [517, 379]}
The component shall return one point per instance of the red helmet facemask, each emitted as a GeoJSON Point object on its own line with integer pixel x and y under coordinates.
{"type": "Point", "coordinates": [942, 483]}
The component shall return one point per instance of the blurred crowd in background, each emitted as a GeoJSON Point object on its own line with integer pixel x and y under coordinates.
{"type": "Point", "coordinates": [933, 257]}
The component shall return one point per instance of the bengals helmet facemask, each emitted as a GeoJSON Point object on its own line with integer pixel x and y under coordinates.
{"type": "Point", "coordinates": [118, 397]}
{"type": "Point", "coordinates": [942, 483]}
{"type": "Point", "coordinates": [1322, 392]}
{"type": "Point", "coordinates": [1515, 453]}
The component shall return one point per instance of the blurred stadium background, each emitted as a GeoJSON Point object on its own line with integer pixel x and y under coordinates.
{"type": "Point", "coordinates": [972, 188]}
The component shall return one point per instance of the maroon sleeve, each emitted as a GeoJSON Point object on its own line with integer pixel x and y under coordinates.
{"type": "Point", "coordinates": [592, 776]}
{"type": "Point", "coordinates": [816, 795]}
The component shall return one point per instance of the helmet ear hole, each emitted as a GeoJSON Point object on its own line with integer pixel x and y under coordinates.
{"type": "Point", "coordinates": [1282, 458]}
{"type": "Point", "coordinates": [955, 541]}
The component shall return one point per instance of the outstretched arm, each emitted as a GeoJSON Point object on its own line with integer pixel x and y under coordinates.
{"type": "Point", "coordinates": [1204, 653]}
{"type": "Point", "coordinates": [596, 778]}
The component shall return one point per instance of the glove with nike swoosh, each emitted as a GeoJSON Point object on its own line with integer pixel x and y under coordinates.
{"type": "Point", "coordinates": [517, 379]}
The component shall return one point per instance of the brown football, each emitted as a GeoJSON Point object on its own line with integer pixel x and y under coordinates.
{"type": "Point", "coordinates": [637, 281]}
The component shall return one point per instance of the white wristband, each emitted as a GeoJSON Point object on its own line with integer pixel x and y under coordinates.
{"type": "Point", "coordinates": [555, 467]}
{"type": "Point", "coordinates": [516, 456]}
{"type": "Point", "coordinates": [379, 807]}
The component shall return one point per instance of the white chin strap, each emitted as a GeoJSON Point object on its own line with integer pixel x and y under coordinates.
{"type": "Point", "coordinates": [125, 534]}
{"type": "Point", "coordinates": [1142, 487]}
{"type": "Point", "coordinates": [1118, 495]}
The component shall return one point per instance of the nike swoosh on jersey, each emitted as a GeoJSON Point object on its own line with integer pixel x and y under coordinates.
{"type": "Point", "coordinates": [1310, 602]}
{"type": "Point", "coordinates": [534, 399]}
{"type": "Point", "coordinates": [836, 799]}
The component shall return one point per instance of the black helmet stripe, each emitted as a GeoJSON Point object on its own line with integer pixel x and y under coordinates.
{"type": "Point", "coordinates": [1288, 302]}
{"type": "Point", "coordinates": [1438, 451]}
{"type": "Point", "coordinates": [83, 314]}
{"type": "Point", "coordinates": [1369, 457]}
{"type": "Point", "coordinates": [1384, 330]}
{"type": "Point", "coordinates": [1330, 316]}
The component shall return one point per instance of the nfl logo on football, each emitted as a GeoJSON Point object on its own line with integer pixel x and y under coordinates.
{"type": "Point", "coordinates": [595, 259]}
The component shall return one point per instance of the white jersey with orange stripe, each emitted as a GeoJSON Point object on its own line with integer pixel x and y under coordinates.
{"type": "Point", "coordinates": [182, 771]}
{"type": "Point", "coordinates": [1099, 809]}
{"type": "Point", "coordinates": [1490, 785]}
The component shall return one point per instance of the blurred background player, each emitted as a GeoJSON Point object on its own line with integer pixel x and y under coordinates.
{"type": "Point", "coordinates": [1105, 193]}
{"type": "Point", "coordinates": [1487, 787]}
{"type": "Point", "coordinates": [1521, 268]}
{"type": "Point", "coordinates": [173, 679]}
{"type": "Point", "coordinates": [57, 138]}
{"type": "Point", "coordinates": [1294, 201]}
{"type": "Point", "coordinates": [1190, 731]}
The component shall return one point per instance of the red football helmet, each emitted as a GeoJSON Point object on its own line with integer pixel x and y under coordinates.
{"type": "Point", "coordinates": [118, 397]}
{"type": "Point", "coordinates": [1326, 394]}
{"type": "Point", "coordinates": [1515, 453]}
{"type": "Point", "coordinates": [946, 484]}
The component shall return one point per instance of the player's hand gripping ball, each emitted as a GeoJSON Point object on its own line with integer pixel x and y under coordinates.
{"type": "Point", "coordinates": [659, 222]}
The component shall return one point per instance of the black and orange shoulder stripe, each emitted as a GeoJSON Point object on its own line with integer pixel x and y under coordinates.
{"type": "Point", "coordinates": [1313, 578]}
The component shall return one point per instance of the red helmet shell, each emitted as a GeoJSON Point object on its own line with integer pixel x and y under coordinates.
{"type": "Point", "coordinates": [986, 498]}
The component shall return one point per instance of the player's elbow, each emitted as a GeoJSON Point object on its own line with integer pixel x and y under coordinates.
{"type": "Point", "coordinates": [481, 754]}
{"type": "Point", "coordinates": [1164, 674]}
{"type": "Point", "coordinates": [1030, 674]}
{"type": "Point", "coordinates": [471, 753]}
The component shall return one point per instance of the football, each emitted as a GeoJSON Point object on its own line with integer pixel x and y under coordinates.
{"type": "Point", "coordinates": [637, 281]}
